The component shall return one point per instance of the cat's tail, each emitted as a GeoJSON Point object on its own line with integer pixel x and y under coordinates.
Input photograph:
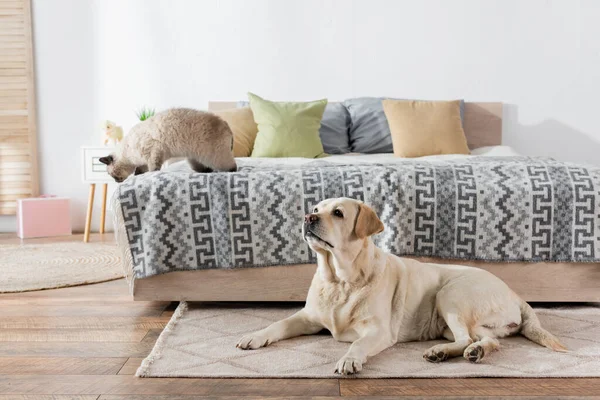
{"type": "Point", "coordinates": [532, 330]}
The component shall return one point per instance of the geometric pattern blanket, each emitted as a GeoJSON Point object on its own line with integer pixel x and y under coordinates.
{"type": "Point", "coordinates": [481, 208]}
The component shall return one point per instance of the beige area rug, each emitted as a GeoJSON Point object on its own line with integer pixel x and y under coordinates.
{"type": "Point", "coordinates": [26, 267]}
{"type": "Point", "coordinates": [200, 340]}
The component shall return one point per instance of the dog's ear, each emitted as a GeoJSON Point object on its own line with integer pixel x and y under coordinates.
{"type": "Point", "coordinates": [106, 160]}
{"type": "Point", "coordinates": [367, 222]}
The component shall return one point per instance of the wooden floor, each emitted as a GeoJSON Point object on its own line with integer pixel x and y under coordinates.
{"type": "Point", "coordinates": [86, 343]}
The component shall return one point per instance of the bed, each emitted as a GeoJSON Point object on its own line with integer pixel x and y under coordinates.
{"type": "Point", "coordinates": [180, 243]}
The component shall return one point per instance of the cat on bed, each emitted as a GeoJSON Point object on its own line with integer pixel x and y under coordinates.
{"type": "Point", "coordinates": [203, 138]}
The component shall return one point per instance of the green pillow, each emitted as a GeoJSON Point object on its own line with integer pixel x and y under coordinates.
{"type": "Point", "coordinates": [287, 129]}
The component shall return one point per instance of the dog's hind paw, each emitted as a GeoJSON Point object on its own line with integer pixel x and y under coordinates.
{"type": "Point", "coordinates": [435, 355]}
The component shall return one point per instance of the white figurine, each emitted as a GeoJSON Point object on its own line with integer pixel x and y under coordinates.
{"type": "Point", "coordinates": [112, 132]}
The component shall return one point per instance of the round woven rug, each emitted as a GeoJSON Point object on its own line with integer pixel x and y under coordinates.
{"type": "Point", "coordinates": [26, 267]}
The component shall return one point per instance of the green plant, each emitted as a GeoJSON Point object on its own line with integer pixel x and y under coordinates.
{"type": "Point", "coordinates": [144, 113]}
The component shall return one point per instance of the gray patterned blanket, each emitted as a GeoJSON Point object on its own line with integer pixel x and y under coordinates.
{"type": "Point", "coordinates": [484, 208]}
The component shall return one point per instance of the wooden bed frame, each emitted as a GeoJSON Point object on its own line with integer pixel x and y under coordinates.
{"type": "Point", "coordinates": [552, 282]}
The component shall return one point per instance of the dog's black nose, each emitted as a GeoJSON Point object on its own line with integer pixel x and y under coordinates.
{"type": "Point", "coordinates": [310, 218]}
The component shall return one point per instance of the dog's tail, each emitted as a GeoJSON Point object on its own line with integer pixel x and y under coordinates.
{"type": "Point", "coordinates": [532, 330]}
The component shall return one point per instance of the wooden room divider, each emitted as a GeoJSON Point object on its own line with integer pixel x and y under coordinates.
{"type": "Point", "coordinates": [18, 147]}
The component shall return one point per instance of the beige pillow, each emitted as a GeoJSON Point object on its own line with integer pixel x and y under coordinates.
{"type": "Point", "coordinates": [241, 122]}
{"type": "Point", "coordinates": [425, 128]}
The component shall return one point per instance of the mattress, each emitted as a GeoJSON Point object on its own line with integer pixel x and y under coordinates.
{"type": "Point", "coordinates": [493, 205]}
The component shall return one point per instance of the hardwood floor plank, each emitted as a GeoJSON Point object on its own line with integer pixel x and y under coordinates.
{"type": "Point", "coordinates": [184, 397]}
{"type": "Point", "coordinates": [129, 385]}
{"type": "Point", "coordinates": [83, 322]}
{"type": "Point", "coordinates": [131, 366]}
{"type": "Point", "coordinates": [169, 397]}
{"type": "Point", "coordinates": [65, 301]}
{"type": "Point", "coordinates": [106, 290]}
{"type": "Point", "coordinates": [168, 312]}
{"type": "Point", "coordinates": [152, 335]}
{"type": "Point", "coordinates": [72, 335]}
{"type": "Point", "coordinates": [103, 290]}
{"type": "Point", "coordinates": [60, 366]}
{"type": "Point", "coordinates": [47, 397]}
{"type": "Point", "coordinates": [115, 289]}
{"type": "Point", "coordinates": [75, 349]}
{"type": "Point", "coordinates": [144, 309]}
{"type": "Point", "coordinates": [471, 387]}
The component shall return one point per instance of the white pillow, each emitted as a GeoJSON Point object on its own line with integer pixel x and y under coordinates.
{"type": "Point", "coordinates": [495, 151]}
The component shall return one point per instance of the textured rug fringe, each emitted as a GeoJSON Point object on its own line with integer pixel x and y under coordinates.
{"type": "Point", "coordinates": [121, 239]}
{"type": "Point", "coordinates": [155, 354]}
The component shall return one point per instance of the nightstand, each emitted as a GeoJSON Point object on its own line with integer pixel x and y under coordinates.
{"type": "Point", "coordinates": [93, 172]}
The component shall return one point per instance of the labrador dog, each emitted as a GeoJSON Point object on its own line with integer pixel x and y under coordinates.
{"type": "Point", "coordinates": [374, 299]}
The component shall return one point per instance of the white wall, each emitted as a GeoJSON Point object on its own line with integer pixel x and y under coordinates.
{"type": "Point", "coordinates": [105, 58]}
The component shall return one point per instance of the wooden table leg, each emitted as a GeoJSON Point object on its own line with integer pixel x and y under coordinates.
{"type": "Point", "coordinates": [103, 212]}
{"type": "Point", "coordinates": [88, 220]}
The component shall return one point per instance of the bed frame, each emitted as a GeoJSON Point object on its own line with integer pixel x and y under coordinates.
{"type": "Point", "coordinates": [547, 282]}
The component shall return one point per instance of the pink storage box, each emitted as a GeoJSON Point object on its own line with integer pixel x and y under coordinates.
{"type": "Point", "coordinates": [43, 216]}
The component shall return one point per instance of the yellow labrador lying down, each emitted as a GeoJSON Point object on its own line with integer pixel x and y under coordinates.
{"type": "Point", "coordinates": [374, 299]}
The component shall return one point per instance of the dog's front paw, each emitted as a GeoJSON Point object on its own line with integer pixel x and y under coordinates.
{"type": "Point", "coordinates": [253, 341]}
{"type": "Point", "coordinates": [348, 366]}
{"type": "Point", "coordinates": [474, 353]}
